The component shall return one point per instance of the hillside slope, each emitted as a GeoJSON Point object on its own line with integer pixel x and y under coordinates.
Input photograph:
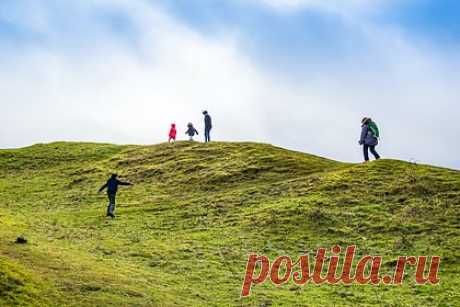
{"type": "Point", "coordinates": [184, 230]}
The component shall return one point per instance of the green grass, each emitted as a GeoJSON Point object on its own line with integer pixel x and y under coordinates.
{"type": "Point", "coordinates": [184, 230]}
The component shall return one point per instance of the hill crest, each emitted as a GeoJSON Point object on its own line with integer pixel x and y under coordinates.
{"type": "Point", "coordinates": [184, 230]}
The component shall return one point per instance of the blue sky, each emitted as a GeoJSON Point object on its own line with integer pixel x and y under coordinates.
{"type": "Point", "coordinates": [308, 34]}
{"type": "Point", "coordinates": [429, 19]}
{"type": "Point", "coordinates": [296, 73]}
{"type": "Point", "coordinates": [267, 32]}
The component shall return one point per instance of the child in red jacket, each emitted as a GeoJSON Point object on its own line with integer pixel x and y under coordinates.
{"type": "Point", "coordinates": [172, 133]}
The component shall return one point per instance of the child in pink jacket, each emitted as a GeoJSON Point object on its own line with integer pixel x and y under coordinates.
{"type": "Point", "coordinates": [172, 133]}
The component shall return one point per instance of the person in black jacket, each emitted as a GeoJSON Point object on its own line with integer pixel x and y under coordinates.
{"type": "Point", "coordinates": [191, 131]}
{"type": "Point", "coordinates": [112, 188]}
{"type": "Point", "coordinates": [368, 140]}
{"type": "Point", "coordinates": [207, 127]}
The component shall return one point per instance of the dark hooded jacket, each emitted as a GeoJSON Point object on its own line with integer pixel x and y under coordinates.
{"type": "Point", "coordinates": [207, 121]}
{"type": "Point", "coordinates": [191, 131]}
{"type": "Point", "coordinates": [366, 136]}
{"type": "Point", "coordinates": [112, 185]}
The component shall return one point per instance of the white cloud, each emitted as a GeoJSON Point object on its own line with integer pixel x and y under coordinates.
{"type": "Point", "coordinates": [111, 92]}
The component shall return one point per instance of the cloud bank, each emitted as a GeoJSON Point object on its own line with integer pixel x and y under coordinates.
{"type": "Point", "coordinates": [122, 71]}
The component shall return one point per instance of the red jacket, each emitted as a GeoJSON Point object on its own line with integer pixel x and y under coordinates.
{"type": "Point", "coordinates": [172, 132]}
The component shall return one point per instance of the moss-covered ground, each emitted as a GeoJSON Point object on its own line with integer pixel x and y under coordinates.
{"type": "Point", "coordinates": [184, 230]}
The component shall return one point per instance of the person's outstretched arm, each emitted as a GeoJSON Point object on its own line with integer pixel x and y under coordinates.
{"type": "Point", "coordinates": [103, 187]}
{"type": "Point", "coordinates": [124, 183]}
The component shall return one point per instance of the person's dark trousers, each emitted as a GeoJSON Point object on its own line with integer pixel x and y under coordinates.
{"type": "Point", "coordinates": [111, 206]}
{"type": "Point", "coordinates": [366, 152]}
{"type": "Point", "coordinates": [207, 135]}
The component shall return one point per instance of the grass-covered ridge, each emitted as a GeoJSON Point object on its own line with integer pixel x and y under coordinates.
{"type": "Point", "coordinates": [184, 230]}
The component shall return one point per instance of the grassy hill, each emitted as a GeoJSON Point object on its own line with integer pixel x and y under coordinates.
{"type": "Point", "coordinates": [184, 230]}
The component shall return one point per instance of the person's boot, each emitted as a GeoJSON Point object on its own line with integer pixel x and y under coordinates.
{"type": "Point", "coordinates": [112, 208]}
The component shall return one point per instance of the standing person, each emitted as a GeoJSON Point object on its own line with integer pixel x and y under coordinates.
{"type": "Point", "coordinates": [369, 138]}
{"type": "Point", "coordinates": [112, 188]}
{"type": "Point", "coordinates": [207, 127]}
{"type": "Point", "coordinates": [191, 131]}
{"type": "Point", "coordinates": [172, 133]}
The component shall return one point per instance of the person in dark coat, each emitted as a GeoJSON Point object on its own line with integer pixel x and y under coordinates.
{"type": "Point", "coordinates": [368, 140]}
{"type": "Point", "coordinates": [112, 188]}
{"type": "Point", "coordinates": [207, 127]}
{"type": "Point", "coordinates": [191, 131]}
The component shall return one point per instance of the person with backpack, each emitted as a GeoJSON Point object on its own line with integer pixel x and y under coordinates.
{"type": "Point", "coordinates": [369, 138]}
{"type": "Point", "coordinates": [191, 131]}
{"type": "Point", "coordinates": [172, 133]}
{"type": "Point", "coordinates": [207, 127]}
{"type": "Point", "coordinates": [112, 188]}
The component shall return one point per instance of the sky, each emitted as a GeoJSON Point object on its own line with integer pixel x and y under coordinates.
{"type": "Point", "coordinates": [300, 74]}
